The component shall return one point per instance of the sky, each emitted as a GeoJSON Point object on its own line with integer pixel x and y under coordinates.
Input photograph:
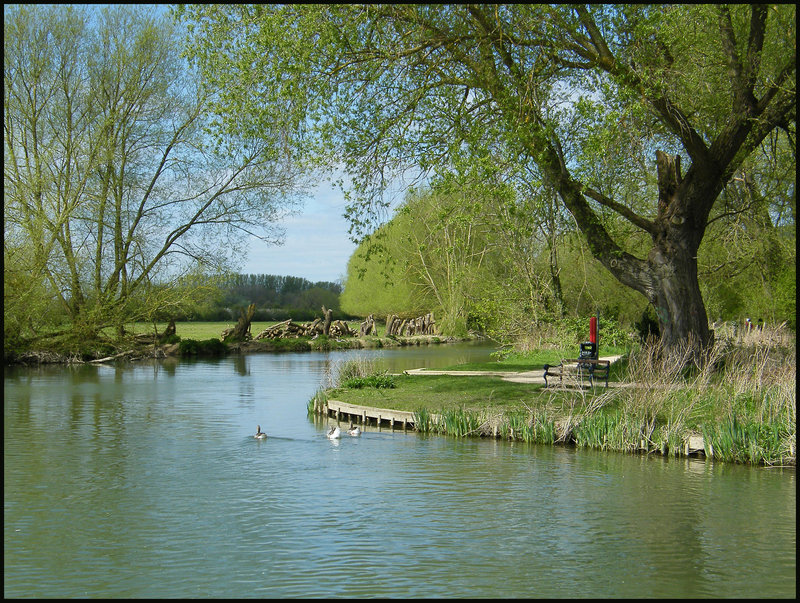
{"type": "Point", "coordinates": [317, 246]}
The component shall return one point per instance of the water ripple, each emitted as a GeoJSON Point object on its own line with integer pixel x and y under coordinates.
{"type": "Point", "coordinates": [154, 487]}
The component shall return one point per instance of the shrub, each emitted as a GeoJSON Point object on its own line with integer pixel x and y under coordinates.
{"type": "Point", "coordinates": [377, 381]}
{"type": "Point", "coordinates": [206, 347]}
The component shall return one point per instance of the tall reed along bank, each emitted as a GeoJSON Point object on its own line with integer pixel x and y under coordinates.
{"type": "Point", "coordinates": [739, 406]}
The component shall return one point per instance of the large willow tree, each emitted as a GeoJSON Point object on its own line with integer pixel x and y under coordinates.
{"type": "Point", "coordinates": [112, 186]}
{"type": "Point", "coordinates": [694, 89]}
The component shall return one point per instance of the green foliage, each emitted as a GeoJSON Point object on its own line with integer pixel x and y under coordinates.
{"type": "Point", "coordinates": [113, 193]}
{"type": "Point", "coordinates": [379, 381]}
{"type": "Point", "coordinates": [206, 347]}
{"type": "Point", "coordinates": [276, 297]}
{"type": "Point", "coordinates": [378, 280]}
{"type": "Point", "coordinates": [748, 258]}
{"type": "Point", "coordinates": [746, 441]}
{"type": "Point", "coordinates": [298, 344]}
{"type": "Point", "coordinates": [786, 296]}
{"type": "Point", "coordinates": [448, 90]}
{"type": "Point", "coordinates": [589, 288]}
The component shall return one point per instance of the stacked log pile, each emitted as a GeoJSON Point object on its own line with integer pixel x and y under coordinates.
{"type": "Point", "coordinates": [422, 325]}
{"type": "Point", "coordinates": [289, 329]}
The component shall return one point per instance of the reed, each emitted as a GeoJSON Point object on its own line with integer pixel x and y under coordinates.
{"type": "Point", "coordinates": [514, 426]}
{"type": "Point", "coordinates": [460, 422]}
{"type": "Point", "coordinates": [533, 426]}
{"type": "Point", "coordinates": [358, 372]}
{"type": "Point", "coordinates": [424, 421]}
{"type": "Point", "coordinates": [745, 442]}
{"type": "Point", "coordinates": [318, 403]}
{"type": "Point", "coordinates": [742, 398]}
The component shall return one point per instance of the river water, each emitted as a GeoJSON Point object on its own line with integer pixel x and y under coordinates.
{"type": "Point", "coordinates": [144, 480]}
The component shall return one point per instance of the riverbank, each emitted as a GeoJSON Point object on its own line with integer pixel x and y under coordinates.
{"type": "Point", "coordinates": [742, 411]}
{"type": "Point", "coordinates": [132, 350]}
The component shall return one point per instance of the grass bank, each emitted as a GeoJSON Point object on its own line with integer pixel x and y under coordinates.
{"type": "Point", "coordinates": [742, 402]}
{"type": "Point", "coordinates": [192, 339]}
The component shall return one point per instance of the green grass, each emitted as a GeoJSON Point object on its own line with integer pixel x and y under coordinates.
{"type": "Point", "coordinates": [743, 402]}
{"type": "Point", "coordinates": [441, 393]}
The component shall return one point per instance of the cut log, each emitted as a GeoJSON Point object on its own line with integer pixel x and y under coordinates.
{"type": "Point", "coordinates": [273, 330]}
{"type": "Point", "coordinates": [114, 357]}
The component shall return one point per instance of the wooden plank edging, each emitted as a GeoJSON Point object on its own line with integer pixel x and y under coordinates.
{"type": "Point", "coordinates": [356, 412]}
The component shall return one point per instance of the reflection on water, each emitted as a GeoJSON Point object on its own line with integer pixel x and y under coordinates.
{"type": "Point", "coordinates": [145, 481]}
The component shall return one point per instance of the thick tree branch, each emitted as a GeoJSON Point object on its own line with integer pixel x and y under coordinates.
{"type": "Point", "coordinates": [622, 210]}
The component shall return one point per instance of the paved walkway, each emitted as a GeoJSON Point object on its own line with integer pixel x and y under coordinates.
{"type": "Point", "coordinates": [535, 376]}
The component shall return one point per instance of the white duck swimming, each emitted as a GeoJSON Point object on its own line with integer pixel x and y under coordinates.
{"type": "Point", "coordinates": [354, 430]}
{"type": "Point", "coordinates": [334, 433]}
{"type": "Point", "coordinates": [260, 435]}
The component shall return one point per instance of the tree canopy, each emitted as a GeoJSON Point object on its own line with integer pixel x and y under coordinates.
{"type": "Point", "coordinates": [113, 186]}
{"type": "Point", "coordinates": [643, 112]}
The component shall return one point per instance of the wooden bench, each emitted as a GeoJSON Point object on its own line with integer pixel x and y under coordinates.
{"type": "Point", "coordinates": [578, 368]}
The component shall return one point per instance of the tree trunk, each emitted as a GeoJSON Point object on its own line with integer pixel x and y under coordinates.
{"type": "Point", "coordinates": [668, 276]}
{"type": "Point", "coordinates": [679, 304]}
{"type": "Point", "coordinates": [241, 332]}
{"type": "Point", "coordinates": [555, 280]}
{"type": "Point", "coordinates": [326, 326]}
{"type": "Point", "coordinates": [169, 331]}
{"type": "Point", "coordinates": [675, 290]}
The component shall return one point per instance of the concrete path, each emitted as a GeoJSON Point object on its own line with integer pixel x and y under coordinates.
{"type": "Point", "coordinates": [535, 376]}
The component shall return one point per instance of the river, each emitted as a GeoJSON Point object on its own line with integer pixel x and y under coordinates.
{"type": "Point", "coordinates": [144, 480]}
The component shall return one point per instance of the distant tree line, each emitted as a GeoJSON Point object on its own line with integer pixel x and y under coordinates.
{"type": "Point", "coordinates": [276, 298]}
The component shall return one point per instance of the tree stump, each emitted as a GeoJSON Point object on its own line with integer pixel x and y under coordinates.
{"type": "Point", "coordinates": [368, 326]}
{"type": "Point", "coordinates": [168, 332]}
{"type": "Point", "coordinates": [241, 332]}
{"type": "Point", "coordinates": [326, 325]}
{"type": "Point", "coordinates": [390, 320]}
